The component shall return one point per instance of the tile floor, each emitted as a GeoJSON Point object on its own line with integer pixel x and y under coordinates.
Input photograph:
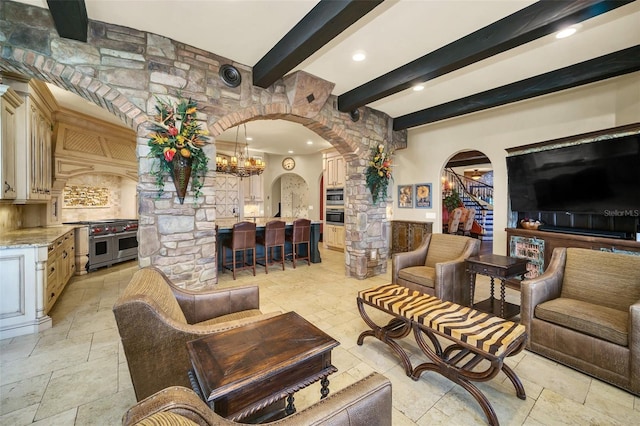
{"type": "Point", "coordinates": [76, 374]}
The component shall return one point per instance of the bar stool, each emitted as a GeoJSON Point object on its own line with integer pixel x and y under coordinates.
{"type": "Point", "coordinates": [273, 237]}
{"type": "Point", "coordinates": [300, 235]}
{"type": "Point", "coordinates": [243, 238]}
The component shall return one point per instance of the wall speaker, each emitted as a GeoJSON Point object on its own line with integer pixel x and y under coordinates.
{"type": "Point", "coordinates": [230, 75]}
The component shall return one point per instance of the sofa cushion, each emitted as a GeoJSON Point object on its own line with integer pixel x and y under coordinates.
{"type": "Point", "coordinates": [596, 320]}
{"type": "Point", "coordinates": [608, 279]}
{"type": "Point", "coordinates": [165, 418]}
{"type": "Point", "coordinates": [148, 281]}
{"type": "Point", "coordinates": [423, 275]}
{"type": "Point", "coordinates": [444, 247]}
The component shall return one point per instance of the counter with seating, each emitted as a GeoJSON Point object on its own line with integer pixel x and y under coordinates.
{"type": "Point", "coordinates": [259, 241]}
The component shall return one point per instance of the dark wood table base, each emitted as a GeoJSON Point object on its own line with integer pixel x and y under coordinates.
{"type": "Point", "coordinates": [457, 361]}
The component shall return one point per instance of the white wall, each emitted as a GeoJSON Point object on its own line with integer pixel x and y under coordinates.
{"type": "Point", "coordinates": [597, 106]}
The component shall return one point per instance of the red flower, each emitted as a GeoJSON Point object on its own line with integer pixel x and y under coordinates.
{"type": "Point", "coordinates": [173, 131]}
{"type": "Point", "coordinates": [169, 153]}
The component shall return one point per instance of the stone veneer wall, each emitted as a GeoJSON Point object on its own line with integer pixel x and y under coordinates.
{"type": "Point", "coordinates": [123, 70]}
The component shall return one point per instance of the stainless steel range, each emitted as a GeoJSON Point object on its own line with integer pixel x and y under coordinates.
{"type": "Point", "coordinates": [110, 241]}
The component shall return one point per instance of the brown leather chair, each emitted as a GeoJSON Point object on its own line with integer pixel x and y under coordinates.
{"type": "Point", "coordinates": [273, 237]}
{"type": "Point", "coordinates": [156, 319]}
{"type": "Point", "coordinates": [300, 235]}
{"type": "Point", "coordinates": [437, 267]}
{"type": "Point", "coordinates": [454, 220]}
{"type": "Point", "coordinates": [243, 239]}
{"type": "Point", "coordinates": [584, 312]}
{"type": "Point", "coordinates": [465, 226]}
{"type": "Point", "coordinates": [364, 403]}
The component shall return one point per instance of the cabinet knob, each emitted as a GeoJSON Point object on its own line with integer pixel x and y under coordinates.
{"type": "Point", "coordinates": [8, 187]}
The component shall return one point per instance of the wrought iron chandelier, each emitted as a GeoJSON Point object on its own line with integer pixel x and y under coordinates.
{"type": "Point", "coordinates": [241, 164]}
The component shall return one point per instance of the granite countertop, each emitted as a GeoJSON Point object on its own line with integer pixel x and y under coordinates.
{"type": "Point", "coordinates": [227, 223]}
{"type": "Point", "coordinates": [33, 237]}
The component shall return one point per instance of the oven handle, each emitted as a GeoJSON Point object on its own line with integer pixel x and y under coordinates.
{"type": "Point", "coordinates": [95, 237]}
{"type": "Point", "coordinates": [127, 234]}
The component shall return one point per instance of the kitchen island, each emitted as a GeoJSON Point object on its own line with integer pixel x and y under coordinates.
{"type": "Point", "coordinates": [36, 264]}
{"type": "Point", "coordinates": [225, 228]}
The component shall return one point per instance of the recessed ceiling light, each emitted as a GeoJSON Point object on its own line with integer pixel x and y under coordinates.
{"type": "Point", "coordinates": [290, 151]}
{"type": "Point", "coordinates": [566, 32]}
{"type": "Point", "coordinates": [359, 56]}
{"type": "Point", "coordinates": [309, 142]}
{"type": "Point", "coordinates": [249, 138]}
{"type": "Point", "coordinates": [418, 87]}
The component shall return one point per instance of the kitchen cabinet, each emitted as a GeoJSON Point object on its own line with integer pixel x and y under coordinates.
{"type": "Point", "coordinates": [334, 170]}
{"type": "Point", "coordinates": [60, 267]}
{"type": "Point", "coordinates": [333, 237]}
{"type": "Point", "coordinates": [408, 235]}
{"type": "Point", "coordinates": [9, 103]}
{"type": "Point", "coordinates": [36, 265]}
{"type": "Point", "coordinates": [253, 189]}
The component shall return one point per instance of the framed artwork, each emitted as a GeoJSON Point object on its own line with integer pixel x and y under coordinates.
{"type": "Point", "coordinates": [405, 196]}
{"type": "Point", "coordinates": [423, 195]}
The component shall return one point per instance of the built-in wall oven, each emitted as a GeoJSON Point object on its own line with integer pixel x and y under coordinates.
{"type": "Point", "coordinates": [335, 196]}
{"type": "Point", "coordinates": [334, 216]}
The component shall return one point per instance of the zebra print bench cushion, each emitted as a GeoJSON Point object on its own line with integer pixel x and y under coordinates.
{"type": "Point", "coordinates": [490, 334]}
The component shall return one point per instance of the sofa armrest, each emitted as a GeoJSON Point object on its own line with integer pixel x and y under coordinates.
{"type": "Point", "coordinates": [364, 403]}
{"type": "Point", "coordinates": [452, 281]}
{"type": "Point", "coordinates": [543, 288]}
{"type": "Point", "coordinates": [202, 306]}
{"type": "Point", "coordinates": [407, 259]}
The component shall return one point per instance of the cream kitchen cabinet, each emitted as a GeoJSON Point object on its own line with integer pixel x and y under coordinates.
{"type": "Point", "coordinates": [9, 103]}
{"type": "Point", "coordinates": [36, 264]}
{"type": "Point", "coordinates": [334, 170]}
{"type": "Point", "coordinates": [253, 189]}
{"type": "Point", "coordinates": [333, 237]}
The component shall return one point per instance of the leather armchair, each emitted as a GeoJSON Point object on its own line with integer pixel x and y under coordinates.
{"type": "Point", "coordinates": [584, 312]}
{"type": "Point", "coordinates": [156, 319]}
{"type": "Point", "coordinates": [365, 403]}
{"type": "Point", "coordinates": [437, 267]}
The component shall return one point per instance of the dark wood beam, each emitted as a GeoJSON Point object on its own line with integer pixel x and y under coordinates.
{"type": "Point", "coordinates": [324, 22]}
{"type": "Point", "coordinates": [538, 20]}
{"type": "Point", "coordinates": [70, 18]}
{"type": "Point", "coordinates": [614, 64]}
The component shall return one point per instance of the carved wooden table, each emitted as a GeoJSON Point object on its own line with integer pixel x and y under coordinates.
{"type": "Point", "coordinates": [496, 266]}
{"type": "Point", "coordinates": [243, 372]}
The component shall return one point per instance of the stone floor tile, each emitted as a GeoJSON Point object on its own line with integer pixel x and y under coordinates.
{"type": "Point", "coordinates": [23, 394]}
{"type": "Point", "coordinates": [555, 409]}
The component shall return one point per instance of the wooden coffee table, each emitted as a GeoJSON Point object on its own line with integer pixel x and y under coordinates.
{"type": "Point", "coordinates": [244, 371]}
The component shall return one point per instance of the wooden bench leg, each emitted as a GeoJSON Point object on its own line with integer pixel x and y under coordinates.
{"type": "Point", "coordinates": [396, 328]}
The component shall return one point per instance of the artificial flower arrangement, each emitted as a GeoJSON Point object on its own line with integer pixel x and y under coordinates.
{"type": "Point", "coordinates": [378, 173]}
{"type": "Point", "coordinates": [177, 143]}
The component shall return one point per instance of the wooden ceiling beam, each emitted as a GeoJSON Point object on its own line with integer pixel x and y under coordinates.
{"type": "Point", "coordinates": [70, 18]}
{"type": "Point", "coordinates": [614, 64]}
{"type": "Point", "coordinates": [535, 21]}
{"type": "Point", "coordinates": [324, 22]}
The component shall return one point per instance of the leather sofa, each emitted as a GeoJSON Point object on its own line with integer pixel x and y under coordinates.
{"type": "Point", "coordinates": [437, 267]}
{"type": "Point", "coordinates": [364, 403]}
{"type": "Point", "coordinates": [584, 312]}
{"type": "Point", "coordinates": [156, 319]}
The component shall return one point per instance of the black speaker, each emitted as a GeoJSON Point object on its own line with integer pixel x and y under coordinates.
{"type": "Point", "coordinates": [230, 75]}
{"type": "Point", "coordinates": [355, 115]}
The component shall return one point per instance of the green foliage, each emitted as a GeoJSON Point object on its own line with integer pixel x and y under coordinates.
{"type": "Point", "coordinates": [378, 173]}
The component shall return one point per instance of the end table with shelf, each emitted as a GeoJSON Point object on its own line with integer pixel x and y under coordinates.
{"type": "Point", "coordinates": [505, 268]}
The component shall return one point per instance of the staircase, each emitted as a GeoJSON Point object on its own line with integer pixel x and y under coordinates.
{"type": "Point", "coordinates": [474, 195]}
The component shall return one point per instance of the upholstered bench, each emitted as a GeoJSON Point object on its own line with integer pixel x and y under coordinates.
{"type": "Point", "coordinates": [473, 337]}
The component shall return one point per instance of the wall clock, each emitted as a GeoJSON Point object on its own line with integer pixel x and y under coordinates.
{"type": "Point", "coordinates": [288, 163]}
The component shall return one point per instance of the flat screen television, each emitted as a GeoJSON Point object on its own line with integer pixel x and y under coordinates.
{"type": "Point", "coordinates": [601, 177]}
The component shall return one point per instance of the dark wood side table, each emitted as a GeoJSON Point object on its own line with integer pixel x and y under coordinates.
{"type": "Point", "coordinates": [244, 371]}
{"type": "Point", "coordinates": [504, 268]}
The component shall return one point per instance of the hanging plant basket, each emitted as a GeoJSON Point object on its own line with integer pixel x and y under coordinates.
{"type": "Point", "coordinates": [181, 168]}
{"type": "Point", "coordinates": [378, 174]}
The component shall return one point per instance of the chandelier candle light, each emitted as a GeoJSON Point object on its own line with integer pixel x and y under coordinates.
{"type": "Point", "coordinates": [177, 143]}
{"type": "Point", "coordinates": [241, 164]}
{"type": "Point", "coordinates": [378, 173]}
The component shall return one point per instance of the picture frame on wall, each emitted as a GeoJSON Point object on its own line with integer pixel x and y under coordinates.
{"type": "Point", "coordinates": [422, 195]}
{"type": "Point", "coordinates": [405, 196]}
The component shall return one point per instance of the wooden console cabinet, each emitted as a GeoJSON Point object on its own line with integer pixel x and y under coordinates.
{"type": "Point", "coordinates": [408, 235]}
{"type": "Point", "coordinates": [551, 240]}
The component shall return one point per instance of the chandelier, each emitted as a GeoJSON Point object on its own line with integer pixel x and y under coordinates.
{"type": "Point", "coordinates": [241, 164]}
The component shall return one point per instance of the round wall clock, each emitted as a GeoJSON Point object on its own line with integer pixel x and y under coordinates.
{"type": "Point", "coordinates": [288, 163]}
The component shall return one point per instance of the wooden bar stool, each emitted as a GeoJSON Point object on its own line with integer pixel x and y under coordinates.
{"type": "Point", "coordinates": [243, 238]}
{"type": "Point", "coordinates": [300, 235]}
{"type": "Point", "coordinates": [273, 237]}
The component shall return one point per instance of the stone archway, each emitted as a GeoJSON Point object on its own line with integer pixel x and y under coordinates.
{"type": "Point", "coordinates": [123, 70]}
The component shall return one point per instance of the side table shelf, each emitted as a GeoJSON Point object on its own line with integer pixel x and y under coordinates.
{"type": "Point", "coordinates": [504, 268]}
